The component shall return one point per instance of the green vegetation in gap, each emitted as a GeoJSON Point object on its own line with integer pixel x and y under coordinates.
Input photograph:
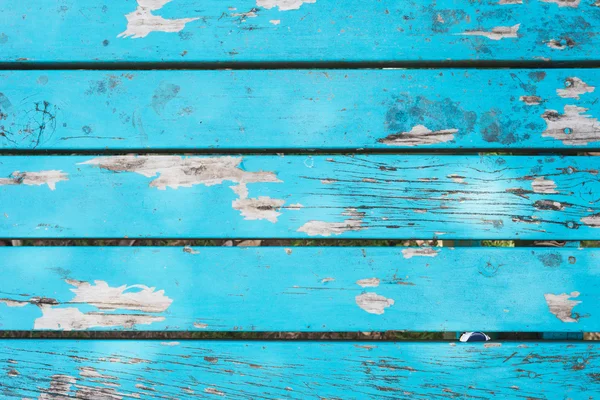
{"type": "Point", "coordinates": [498, 243]}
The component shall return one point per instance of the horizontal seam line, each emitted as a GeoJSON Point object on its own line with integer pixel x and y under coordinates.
{"type": "Point", "coordinates": [286, 65]}
{"type": "Point", "coordinates": [532, 151]}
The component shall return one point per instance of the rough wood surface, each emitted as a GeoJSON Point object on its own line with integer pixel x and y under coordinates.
{"type": "Point", "coordinates": [362, 196]}
{"type": "Point", "coordinates": [300, 289]}
{"type": "Point", "coordinates": [298, 30]}
{"type": "Point", "coordinates": [51, 369]}
{"type": "Point", "coordinates": [335, 109]}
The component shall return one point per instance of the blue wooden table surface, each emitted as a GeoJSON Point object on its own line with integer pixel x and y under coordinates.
{"type": "Point", "coordinates": [544, 193]}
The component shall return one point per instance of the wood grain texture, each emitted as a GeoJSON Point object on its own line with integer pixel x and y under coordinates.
{"type": "Point", "coordinates": [370, 196]}
{"type": "Point", "coordinates": [300, 289]}
{"type": "Point", "coordinates": [335, 109]}
{"type": "Point", "coordinates": [297, 370]}
{"type": "Point", "coordinates": [297, 30]}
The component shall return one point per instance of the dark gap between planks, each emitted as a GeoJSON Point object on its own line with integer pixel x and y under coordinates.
{"type": "Point", "coordinates": [309, 152]}
{"type": "Point", "coordinates": [282, 65]}
{"type": "Point", "coordinates": [246, 336]}
{"type": "Point", "coordinates": [239, 242]}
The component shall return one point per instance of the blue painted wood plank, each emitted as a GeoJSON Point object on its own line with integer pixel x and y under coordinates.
{"type": "Point", "coordinates": [300, 289]}
{"type": "Point", "coordinates": [297, 370]}
{"type": "Point", "coordinates": [297, 30]}
{"type": "Point", "coordinates": [336, 109]}
{"type": "Point", "coordinates": [362, 196]}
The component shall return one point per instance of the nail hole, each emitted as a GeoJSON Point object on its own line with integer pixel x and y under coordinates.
{"type": "Point", "coordinates": [568, 131]}
{"type": "Point", "coordinates": [572, 225]}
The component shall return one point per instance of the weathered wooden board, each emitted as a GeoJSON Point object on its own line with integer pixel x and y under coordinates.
{"type": "Point", "coordinates": [300, 289]}
{"type": "Point", "coordinates": [297, 30]}
{"type": "Point", "coordinates": [370, 196]}
{"type": "Point", "coordinates": [335, 109]}
{"type": "Point", "coordinates": [297, 370]}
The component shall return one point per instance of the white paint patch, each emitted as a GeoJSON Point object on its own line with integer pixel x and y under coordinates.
{"type": "Point", "coordinates": [175, 171]}
{"type": "Point", "coordinates": [14, 303]}
{"type": "Point", "coordinates": [325, 280]}
{"type": "Point", "coordinates": [531, 100]}
{"type": "Point", "coordinates": [275, 21]}
{"type": "Point", "coordinates": [328, 181]}
{"type": "Point", "coordinates": [190, 250]}
{"type": "Point", "coordinates": [211, 390]}
{"type": "Point", "coordinates": [322, 228]}
{"type": "Point", "coordinates": [295, 207]}
{"type": "Point", "coordinates": [104, 297]}
{"type": "Point", "coordinates": [60, 385]}
{"type": "Point", "coordinates": [200, 325]}
{"type": "Point", "coordinates": [288, 251]}
{"type": "Point", "coordinates": [50, 178]}
{"type": "Point", "coordinates": [69, 319]}
{"type": "Point", "coordinates": [284, 5]}
{"type": "Point", "coordinates": [505, 2]}
{"type": "Point", "coordinates": [419, 252]}
{"type": "Point", "coordinates": [259, 208]}
{"type": "Point", "coordinates": [562, 306]}
{"type": "Point", "coordinates": [492, 345]}
{"type": "Point", "coordinates": [497, 33]}
{"type": "Point", "coordinates": [543, 185]}
{"type": "Point", "coordinates": [564, 3]}
{"type": "Point", "coordinates": [573, 127]}
{"type": "Point", "coordinates": [89, 372]}
{"type": "Point", "coordinates": [170, 344]}
{"type": "Point", "coordinates": [243, 16]}
{"type": "Point", "coordinates": [549, 205]}
{"type": "Point", "coordinates": [557, 44]}
{"type": "Point", "coordinates": [96, 392]}
{"type": "Point", "coordinates": [373, 303]}
{"type": "Point", "coordinates": [457, 178]}
{"type": "Point", "coordinates": [419, 135]}
{"type": "Point", "coordinates": [369, 282]}
{"type": "Point", "coordinates": [592, 221]}
{"type": "Point", "coordinates": [574, 87]}
{"type": "Point", "coordinates": [64, 387]}
{"type": "Point", "coordinates": [141, 22]}
{"type": "Point", "coordinates": [367, 347]}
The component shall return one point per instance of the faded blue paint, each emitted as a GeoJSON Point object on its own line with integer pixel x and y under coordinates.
{"type": "Point", "coordinates": [297, 370]}
{"type": "Point", "coordinates": [309, 289]}
{"type": "Point", "coordinates": [87, 30]}
{"type": "Point", "coordinates": [362, 196]}
{"type": "Point", "coordinates": [75, 110]}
